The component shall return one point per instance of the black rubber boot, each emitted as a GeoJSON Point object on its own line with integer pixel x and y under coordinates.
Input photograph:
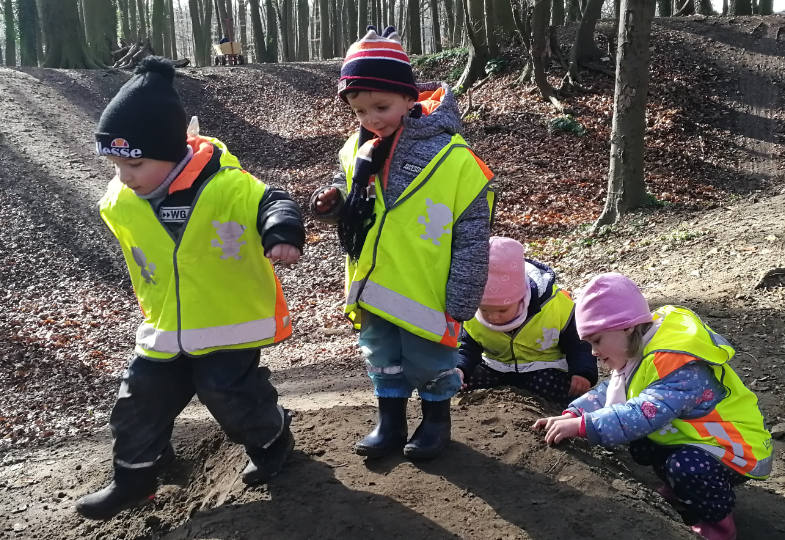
{"type": "Point", "coordinates": [433, 434]}
{"type": "Point", "coordinates": [129, 488]}
{"type": "Point", "coordinates": [265, 463]}
{"type": "Point", "coordinates": [390, 432]}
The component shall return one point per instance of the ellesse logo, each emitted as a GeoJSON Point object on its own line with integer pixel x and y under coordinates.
{"type": "Point", "coordinates": [118, 147]}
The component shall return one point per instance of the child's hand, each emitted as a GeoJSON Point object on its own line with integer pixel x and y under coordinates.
{"type": "Point", "coordinates": [326, 200]}
{"type": "Point", "coordinates": [579, 385]}
{"type": "Point", "coordinates": [558, 428]}
{"type": "Point", "coordinates": [286, 253]}
{"type": "Point", "coordinates": [464, 386]}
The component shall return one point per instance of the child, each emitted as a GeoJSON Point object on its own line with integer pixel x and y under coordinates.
{"type": "Point", "coordinates": [673, 397]}
{"type": "Point", "coordinates": [198, 235]}
{"type": "Point", "coordinates": [415, 226]}
{"type": "Point", "coordinates": [524, 332]}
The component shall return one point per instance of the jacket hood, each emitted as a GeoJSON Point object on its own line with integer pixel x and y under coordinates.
{"type": "Point", "coordinates": [435, 112]}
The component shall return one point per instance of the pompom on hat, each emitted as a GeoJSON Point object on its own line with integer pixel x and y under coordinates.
{"type": "Point", "coordinates": [145, 119]}
{"type": "Point", "coordinates": [507, 282]}
{"type": "Point", "coordinates": [609, 302]}
{"type": "Point", "coordinates": [377, 64]}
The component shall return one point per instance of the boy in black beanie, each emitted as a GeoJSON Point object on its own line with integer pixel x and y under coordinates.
{"type": "Point", "coordinates": [198, 235]}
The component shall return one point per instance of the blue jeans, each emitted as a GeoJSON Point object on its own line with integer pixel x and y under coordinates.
{"type": "Point", "coordinates": [399, 361]}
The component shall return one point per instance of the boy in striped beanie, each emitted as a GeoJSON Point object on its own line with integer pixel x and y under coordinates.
{"type": "Point", "coordinates": [412, 205]}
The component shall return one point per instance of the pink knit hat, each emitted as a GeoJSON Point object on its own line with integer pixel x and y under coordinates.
{"type": "Point", "coordinates": [506, 273]}
{"type": "Point", "coordinates": [610, 302]}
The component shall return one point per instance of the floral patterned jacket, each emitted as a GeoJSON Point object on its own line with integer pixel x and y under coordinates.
{"type": "Point", "coordinates": [689, 392]}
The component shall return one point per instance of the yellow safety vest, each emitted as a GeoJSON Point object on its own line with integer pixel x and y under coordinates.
{"type": "Point", "coordinates": [401, 274]}
{"type": "Point", "coordinates": [534, 346]}
{"type": "Point", "coordinates": [212, 289]}
{"type": "Point", "coordinates": [734, 431]}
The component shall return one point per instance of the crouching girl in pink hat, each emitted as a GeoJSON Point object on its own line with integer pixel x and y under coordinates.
{"type": "Point", "coordinates": [524, 332]}
{"type": "Point", "coordinates": [673, 397]}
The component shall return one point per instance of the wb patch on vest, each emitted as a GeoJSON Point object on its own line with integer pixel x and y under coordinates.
{"type": "Point", "coordinates": [412, 168]}
{"type": "Point", "coordinates": [174, 214]}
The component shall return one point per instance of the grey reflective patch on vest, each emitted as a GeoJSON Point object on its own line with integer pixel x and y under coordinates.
{"type": "Point", "coordinates": [148, 268]}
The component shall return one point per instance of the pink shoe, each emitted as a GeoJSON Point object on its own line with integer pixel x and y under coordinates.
{"type": "Point", "coordinates": [725, 529]}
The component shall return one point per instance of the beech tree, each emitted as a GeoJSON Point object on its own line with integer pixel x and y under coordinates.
{"type": "Point", "coordinates": [303, 18]}
{"type": "Point", "coordinates": [10, 33]}
{"type": "Point", "coordinates": [63, 34]}
{"type": "Point", "coordinates": [473, 11]}
{"type": "Point", "coordinates": [626, 185]}
{"type": "Point", "coordinates": [584, 48]}
{"type": "Point", "coordinates": [260, 52]}
{"type": "Point", "coordinates": [101, 28]}
{"type": "Point", "coordinates": [201, 15]}
{"type": "Point", "coordinates": [28, 32]}
{"type": "Point", "coordinates": [413, 29]}
{"type": "Point", "coordinates": [739, 7]}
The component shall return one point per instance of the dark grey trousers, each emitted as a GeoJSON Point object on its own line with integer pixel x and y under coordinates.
{"type": "Point", "coordinates": [231, 384]}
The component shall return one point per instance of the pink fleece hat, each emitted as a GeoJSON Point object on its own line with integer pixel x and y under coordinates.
{"type": "Point", "coordinates": [506, 273]}
{"type": "Point", "coordinates": [610, 302]}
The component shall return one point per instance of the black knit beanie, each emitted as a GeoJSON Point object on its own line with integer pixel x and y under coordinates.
{"type": "Point", "coordinates": [377, 63]}
{"type": "Point", "coordinates": [145, 119]}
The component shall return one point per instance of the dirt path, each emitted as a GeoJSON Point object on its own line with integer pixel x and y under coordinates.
{"type": "Point", "coordinates": [66, 302]}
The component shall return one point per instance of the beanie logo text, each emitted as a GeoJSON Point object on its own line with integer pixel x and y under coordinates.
{"type": "Point", "coordinates": [119, 147]}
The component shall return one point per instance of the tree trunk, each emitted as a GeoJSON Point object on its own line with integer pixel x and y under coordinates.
{"type": "Point", "coordinates": [141, 13]}
{"type": "Point", "coordinates": [303, 16]}
{"type": "Point", "coordinates": [10, 33]}
{"type": "Point", "coordinates": [125, 27]}
{"type": "Point", "coordinates": [703, 7]}
{"type": "Point", "coordinates": [765, 7]}
{"type": "Point", "coordinates": [28, 32]}
{"type": "Point", "coordinates": [64, 36]}
{"type": "Point", "coordinates": [665, 8]}
{"type": "Point", "coordinates": [100, 29]}
{"type": "Point", "coordinates": [362, 17]}
{"type": "Point", "coordinates": [449, 16]}
{"type": "Point", "coordinates": [626, 185]}
{"type": "Point", "coordinates": [201, 17]}
{"type": "Point", "coordinates": [572, 11]}
{"type": "Point", "coordinates": [491, 29]}
{"type": "Point", "coordinates": [557, 13]}
{"type": "Point", "coordinates": [413, 29]}
{"type": "Point", "coordinates": [473, 11]}
{"type": "Point", "coordinates": [285, 24]}
{"type": "Point", "coordinates": [541, 15]}
{"type": "Point", "coordinates": [271, 45]}
{"type": "Point", "coordinates": [460, 23]}
{"type": "Point", "coordinates": [391, 15]}
{"type": "Point", "coordinates": [739, 7]}
{"type": "Point", "coordinates": [436, 26]}
{"type": "Point", "coordinates": [258, 31]}
{"type": "Point", "coordinates": [157, 27]}
{"type": "Point", "coordinates": [133, 22]}
{"type": "Point", "coordinates": [325, 43]}
{"type": "Point", "coordinates": [584, 48]}
{"type": "Point", "coordinates": [172, 29]}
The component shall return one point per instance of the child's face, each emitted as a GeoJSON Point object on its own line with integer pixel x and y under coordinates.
{"type": "Point", "coordinates": [381, 113]}
{"type": "Point", "coordinates": [499, 315]}
{"type": "Point", "coordinates": [611, 347]}
{"type": "Point", "coordinates": [142, 175]}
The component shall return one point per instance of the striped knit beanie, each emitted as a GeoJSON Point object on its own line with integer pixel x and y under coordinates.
{"type": "Point", "coordinates": [377, 63]}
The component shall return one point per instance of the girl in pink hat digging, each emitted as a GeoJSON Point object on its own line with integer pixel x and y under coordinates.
{"type": "Point", "coordinates": [673, 397]}
{"type": "Point", "coordinates": [524, 332]}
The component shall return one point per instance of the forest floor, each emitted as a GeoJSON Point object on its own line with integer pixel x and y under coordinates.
{"type": "Point", "coordinates": [715, 163]}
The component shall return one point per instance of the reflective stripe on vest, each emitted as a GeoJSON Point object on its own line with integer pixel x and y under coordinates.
{"type": "Point", "coordinates": [212, 288]}
{"type": "Point", "coordinates": [524, 367]}
{"type": "Point", "coordinates": [402, 271]}
{"type": "Point", "coordinates": [734, 431]}
{"type": "Point", "coordinates": [533, 346]}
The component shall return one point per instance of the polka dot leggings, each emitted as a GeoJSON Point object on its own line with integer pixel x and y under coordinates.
{"type": "Point", "coordinates": [703, 485]}
{"type": "Point", "coordinates": [552, 384]}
